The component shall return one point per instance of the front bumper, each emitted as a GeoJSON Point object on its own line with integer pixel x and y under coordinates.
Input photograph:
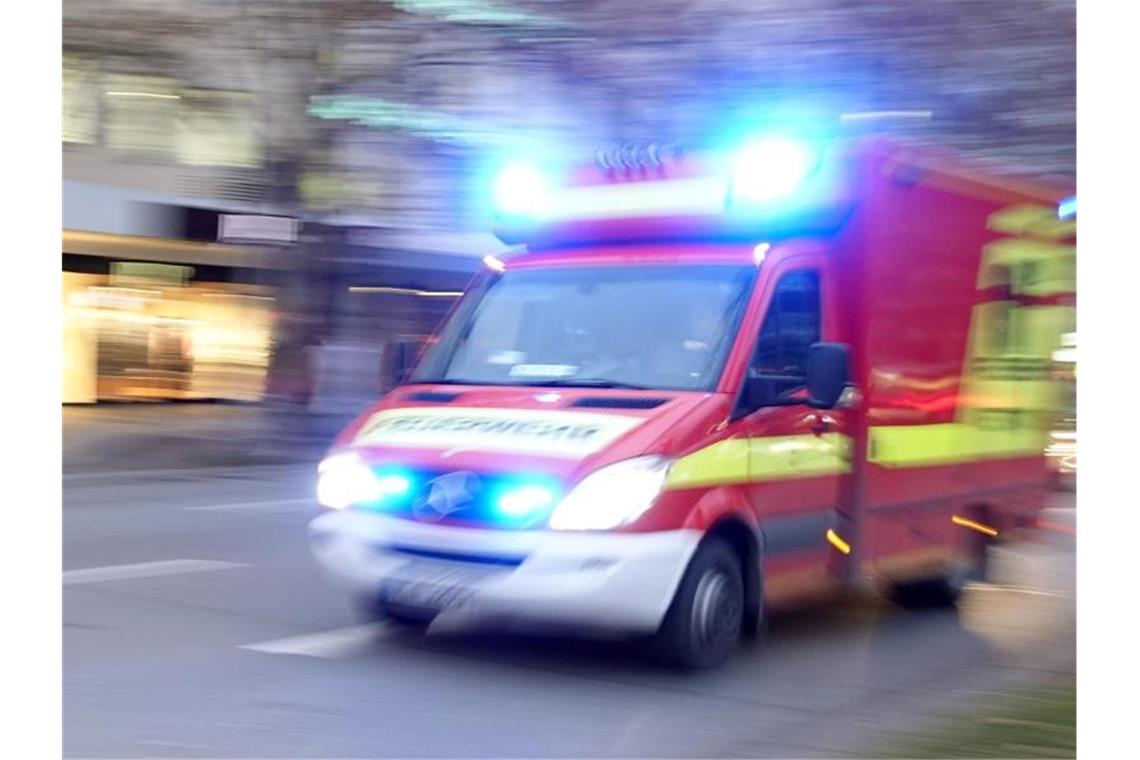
{"type": "Point", "coordinates": [623, 581]}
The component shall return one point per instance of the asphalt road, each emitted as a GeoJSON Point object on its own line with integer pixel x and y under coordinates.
{"type": "Point", "coordinates": [196, 625]}
{"type": "Point", "coordinates": [137, 437]}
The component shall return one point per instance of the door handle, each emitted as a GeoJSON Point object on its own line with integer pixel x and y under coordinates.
{"type": "Point", "coordinates": [819, 424]}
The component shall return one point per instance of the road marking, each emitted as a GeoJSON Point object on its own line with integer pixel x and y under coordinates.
{"type": "Point", "coordinates": [144, 570]}
{"type": "Point", "coordinates": [1005, 588]}
{"type": "Point", "coordinates": [196, 472]}
{"type": "Point", "coordinates": [340, 642]}
{"type": "Point", "coordinates": [256, 506]}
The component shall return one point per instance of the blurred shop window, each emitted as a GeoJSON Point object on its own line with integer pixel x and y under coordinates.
{"type": "Point", "coordinates": [122, 344]}
{"type": "Point", "coordinates": [80, 102]}
{"type": "Point", "coordinates": [142, 113]}
{"type": "Point", "coordinates": [218, 129]}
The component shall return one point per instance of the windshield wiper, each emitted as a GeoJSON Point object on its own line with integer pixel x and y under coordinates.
{"type": "Point", "coordinates": [581, 382]}
{"type": "Point", "coordinates": [458, 381]}
{"type": "Point", "coordinates": [586, 382]}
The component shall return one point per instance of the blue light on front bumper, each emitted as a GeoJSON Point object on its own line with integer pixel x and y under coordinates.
{"type": "Point", "coordinates": [525, 500]}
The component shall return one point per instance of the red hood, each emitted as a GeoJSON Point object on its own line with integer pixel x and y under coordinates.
{"type": "Point", "coordinates": [564, 432]}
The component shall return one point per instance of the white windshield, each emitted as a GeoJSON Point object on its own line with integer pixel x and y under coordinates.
{"type": "Point", "coordinates": [660, 326]}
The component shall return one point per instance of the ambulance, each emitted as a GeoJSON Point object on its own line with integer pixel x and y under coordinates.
{"type": "Point", "coordinates": [711, 385]}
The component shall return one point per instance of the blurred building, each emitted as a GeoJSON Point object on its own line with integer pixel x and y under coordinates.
{"type": "Point", "coordinates": [187, 171]}
{"type": "Point", "coordinates": [158, 145]}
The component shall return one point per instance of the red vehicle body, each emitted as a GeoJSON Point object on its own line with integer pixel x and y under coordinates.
{"type": "Point", "coordinates": [947, 291]}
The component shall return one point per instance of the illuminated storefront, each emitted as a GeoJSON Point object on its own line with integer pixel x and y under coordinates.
{"type": "Point", "coordinates": [155, 317]}
{"type": "Point", "coordinates": [145, 330]}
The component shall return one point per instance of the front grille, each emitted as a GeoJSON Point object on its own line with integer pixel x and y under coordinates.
{"type": "Point", "coordinates": [462, 498]}
{"type": "Point", "coordinates": [478, 559]}
{"type": "Point", "coordinates": [438, 397]}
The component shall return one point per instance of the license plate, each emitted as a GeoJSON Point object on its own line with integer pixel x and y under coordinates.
{"type": "Point", "coordinates": [431, 587]}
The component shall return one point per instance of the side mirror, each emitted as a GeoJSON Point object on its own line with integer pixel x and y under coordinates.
{"type": "Point", "coordinates": [828, 372]}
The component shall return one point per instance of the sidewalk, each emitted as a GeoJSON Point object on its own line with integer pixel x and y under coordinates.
{"type": "Point", "coordinates": [136, 437]}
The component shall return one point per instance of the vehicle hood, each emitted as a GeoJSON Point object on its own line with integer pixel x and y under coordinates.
{"type": "Point", "coordinates": [559, 432]}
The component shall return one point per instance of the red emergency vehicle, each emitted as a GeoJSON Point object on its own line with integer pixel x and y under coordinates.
{"type": "Point", "coordinates": [715, 385]}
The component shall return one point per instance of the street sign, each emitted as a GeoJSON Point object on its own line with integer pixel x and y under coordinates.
{"type": "Point", "coordinates": [254, 228]}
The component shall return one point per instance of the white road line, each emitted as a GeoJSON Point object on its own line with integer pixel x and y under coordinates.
{"type": "Point", "coordinates": [145, 570]}
{"type": "Point", "coordinates": [193, 473]}
{"type": "Point", "coordinates": [256, 506]}
{"type": "Point", "coordinates": [1008, 589]}
{"type": "Point", "coordinates": [341, 642]}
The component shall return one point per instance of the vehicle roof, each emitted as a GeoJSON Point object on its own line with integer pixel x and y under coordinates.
{"type": "Point", "coordinates": [648, 252]}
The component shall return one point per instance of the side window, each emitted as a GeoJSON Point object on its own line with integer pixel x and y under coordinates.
{"type": "Point", "coordinates": [790, 327]}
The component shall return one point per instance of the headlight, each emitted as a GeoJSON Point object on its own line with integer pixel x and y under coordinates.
{"type": "Point", "coordinates": [612, 496]}
{"type": "Point", "coordinates": [345, 480]}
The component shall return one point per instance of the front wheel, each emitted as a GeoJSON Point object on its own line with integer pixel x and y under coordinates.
{"type": "Point", "coordinates": [704, 623]}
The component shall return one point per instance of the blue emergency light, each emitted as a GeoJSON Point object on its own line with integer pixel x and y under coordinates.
{"type": "Point", "coordinates": [776, 182]}
{"type": "Point", "coordinates": [1067, 209]}
{"type": "Point", "coordinates": [768, 169]}
{"type": "Point", "coordinates": [525, 500]}
{"type": "Point", "coordinates": [521, 189]}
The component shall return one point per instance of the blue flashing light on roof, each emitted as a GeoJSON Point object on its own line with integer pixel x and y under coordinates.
{"type": "Point", "coordinates": [1067, 209]}
{"type": "Point", "coordinates": [769, 169]}
{"type": "Point", "coordinates": [521, 190]}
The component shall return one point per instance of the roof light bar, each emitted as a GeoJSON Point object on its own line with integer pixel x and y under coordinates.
{"type": "Point", "coordinates": [771, 168]}
{"type": "Point", "coordinates": [521, 189]}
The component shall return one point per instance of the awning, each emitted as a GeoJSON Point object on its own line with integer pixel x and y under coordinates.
{"type": "Point", "coordinates": [167, 250]}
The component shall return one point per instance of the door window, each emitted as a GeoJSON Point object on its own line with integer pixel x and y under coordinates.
{"type": "Point", "coordinates": [790, 327]}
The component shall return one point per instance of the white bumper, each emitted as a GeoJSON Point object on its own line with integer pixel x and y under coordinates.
{"type": "Point", "coordinates": [615, 580]}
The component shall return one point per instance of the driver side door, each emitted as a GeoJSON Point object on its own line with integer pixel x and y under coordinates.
{"type": "Point", "coordinates": [799, 457]}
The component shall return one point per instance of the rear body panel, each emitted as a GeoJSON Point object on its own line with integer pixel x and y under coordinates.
{"type": "Point", "coordinates": [952, 349]}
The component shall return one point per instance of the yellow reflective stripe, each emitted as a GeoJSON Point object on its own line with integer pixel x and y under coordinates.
{"type": "Point", "coordinates": [745, 460]}
{"type": "Point", "coordinates": [949, 443]}
{"type": "Point", "coordinates": [1007, 393]}
{"type": "Point", "coordinates": [1038, 269]}
{"type": "Point", "coordinates": [790, 456]}
{"type": "Point", "coordinates": [1041, 327]}
{"type": "Point", "coordinates": [1039, 221]}
{"type": "Point", "coordinates": [974, 525]}
{"type": "Point", "coordinates": [723, 462]}
{"type": "Point", "coordinates": [834, 539]}
{"type": "Point", "coordinates": [752, 460]}
{"type": "Point", "coordinates": [1011, 395]}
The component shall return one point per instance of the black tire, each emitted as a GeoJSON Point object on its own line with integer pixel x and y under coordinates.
{"type": "Point", "coordinates": [704, 624]}
{"type": "Point", "coordinates": [943, 591]}
{"type": "Point", "coordinates": [932, 593]}
{"type": "Point", "coordinates": [413, 620]}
